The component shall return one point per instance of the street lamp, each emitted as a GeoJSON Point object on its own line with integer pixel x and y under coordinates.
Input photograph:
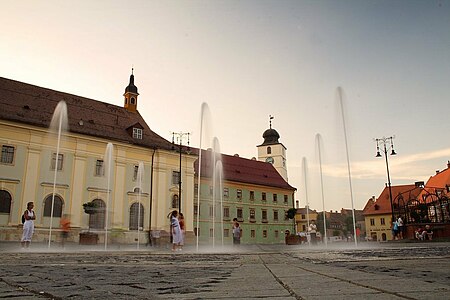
{"type": "Point", "coordinates": [180, 136]}
{"type": "Point", "coordinates": [390, 146]}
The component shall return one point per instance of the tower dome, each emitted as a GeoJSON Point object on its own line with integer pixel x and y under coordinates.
{"type": "Point", "coordinates": [131, 88]}
{"type": "Point", "coordinates": [271, 137]}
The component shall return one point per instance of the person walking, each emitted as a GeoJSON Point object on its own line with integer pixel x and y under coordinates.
{"type": "Point", "coordinates": [175, 230]}
{"type": "Point", "coordinates": [28, 225]}
{"type": "Point", "coordinates": [237, 232]}
{"type": "Point", "coordinates": [312, 229]}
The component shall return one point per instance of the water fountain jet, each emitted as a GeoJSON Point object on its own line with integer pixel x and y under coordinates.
{"type": "Point", "coordinates": [59, 123]}
{"type": "Point", "coordinates": [341, 102]}
{"type": "Point", "coordinates": [319, 147]}
{"type": "Point", "coordinates": [108, 169]}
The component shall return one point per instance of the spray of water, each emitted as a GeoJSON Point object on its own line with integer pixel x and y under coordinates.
{"type": "Point", "coordinates": [108, 173]}
{"type": "Point", "coordinates": [217, 190]}
{"type": "Point", "coordinates": [204, 116]}
{"type": "Point", "coordinates": [58, 125]}
{"type": "Point", "coordinates": [319, 147]}
{"type": "Point", "coordinates": [339, 93]}
{"type": "Point", "coordinates": [305, 177]}
{"type": "Point", "coordinates": [140, 176]}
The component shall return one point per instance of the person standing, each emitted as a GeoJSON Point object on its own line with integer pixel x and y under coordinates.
{"type": "Point", "coordinates": [394, 230]}
{"type": "Point", "coordinates": [175, 229]}
{"type": "Point", "coordinates": [237, 233]}
{"type": "Point", "coordinates": [312, 229]}
{"type": "Point", "coordinates": [65, 228]}
{"type": "Point", "coordinates": [400, 227]}
{"type": "Point", "coordinates": [183, 230]}
{"type": "Point", "coordinates": [28, 226]}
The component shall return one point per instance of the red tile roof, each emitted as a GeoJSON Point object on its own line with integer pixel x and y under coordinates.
{"type": "Point", "coordinates": [33, 105]}
{"type": "Point", "coordinates": [439, 181]}
{"type": "Point", "coordinates": [382, 204]}
{"type": "Point", "coordinates": [243, 170]}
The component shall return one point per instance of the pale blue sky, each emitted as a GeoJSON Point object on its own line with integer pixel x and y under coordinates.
{"type": "Point", "coordinates": [249, 59]}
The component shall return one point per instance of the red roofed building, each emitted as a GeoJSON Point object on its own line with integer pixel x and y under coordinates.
{"type": "Point", "coordinates": [252, 191]}
{"type": "Point", "coordinates": [378, 213]}
{"type": "Point", "coordinates": [435, 197]}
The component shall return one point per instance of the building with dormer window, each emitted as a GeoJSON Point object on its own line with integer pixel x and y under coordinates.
{"type": "Point", "coordinates": [29, 159]}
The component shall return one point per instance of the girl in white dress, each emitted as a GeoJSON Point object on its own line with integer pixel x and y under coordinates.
{"type": "Point", "coordinates": [28, 225]}
{"type": "Point", "coordinates": [177, 237]}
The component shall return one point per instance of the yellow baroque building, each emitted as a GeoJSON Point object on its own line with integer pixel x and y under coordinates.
{"type": "Point", "coordinates": [29, 159]}
{"type": "Point", "coordinates": [109, 158]}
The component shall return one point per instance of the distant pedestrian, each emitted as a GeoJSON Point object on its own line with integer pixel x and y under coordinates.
{"type": "Point", "coordinates": [312, 229]}
{"type": "Point", "coordinates": [394, 230]}
{"type": "Point", "coordinates": [175, 230]}
{"type": "Point", "coordinates": [183, 230]}
{"type": "Point", "coordinates": [237, 232]}
{"type": "Point", "coordinates": [28, 225]}
{"type": "Point", "coordinates": [401, 227]}
{"type": "Point", "coordinates": [427, 233]}
{"type": "Point", "coordinates": [65, 228]}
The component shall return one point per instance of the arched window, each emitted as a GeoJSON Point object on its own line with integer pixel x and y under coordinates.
{"type": "Point", "coordinates": [97, 220]}
{"type": "Point", "coordinates": [57, 206]}
{"type": "Point", "coordinates": [132, 100]}
{"type": "Point", "coordinates": [136, 215]}
{"type": "Point", "coordinates": [5, 202]}
{"type": "Point", "coordinates": [269, 150]}
{"type": "Point", "coordinates": [175, 201]}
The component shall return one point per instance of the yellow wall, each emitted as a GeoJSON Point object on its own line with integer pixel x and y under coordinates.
{"type": "Point", "coordinates": [377, 231]}
{"type": "Point", "coordinates": [29, 178]}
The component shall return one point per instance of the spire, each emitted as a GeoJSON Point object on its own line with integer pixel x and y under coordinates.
{"type": "Point", "coordinates": [131, 94]}
{"type": "Point", "coordinates": [270, 121]}
{"type": "Point", "coordinates": [131, 87]}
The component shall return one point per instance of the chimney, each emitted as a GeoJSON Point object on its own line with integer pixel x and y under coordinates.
{"type": "Point", "coordinates": [419, 184]}
{"type": "Point", "coordinates": [448, 164]}
{"type": "Point", "coordinates": [437, 172]}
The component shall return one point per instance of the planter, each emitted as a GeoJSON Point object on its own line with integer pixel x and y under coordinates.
{"type": "Point", "coordinates": [292, 239]}
{"type": "Point", "coordinates": [88, 238]}
{"type": "Point", "coordinates": [90, 210]}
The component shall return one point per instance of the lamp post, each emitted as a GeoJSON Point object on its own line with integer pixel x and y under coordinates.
{"type": "Point", "coordinates": [180, 136]}
{"type": "Point", "coordinates": [390, 146]}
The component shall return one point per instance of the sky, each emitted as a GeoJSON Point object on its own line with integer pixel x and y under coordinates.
{"type": "Point", "coordinates": [250, 59]}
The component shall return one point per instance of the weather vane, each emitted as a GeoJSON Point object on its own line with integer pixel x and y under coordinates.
{"type": "Point", "coordinates": [270, 121]}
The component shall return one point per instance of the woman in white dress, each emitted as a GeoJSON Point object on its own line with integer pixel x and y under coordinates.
{"type": "Point", "coordinates": [28, 225]}
{"type": "Point", "coordinates": [177, 236]}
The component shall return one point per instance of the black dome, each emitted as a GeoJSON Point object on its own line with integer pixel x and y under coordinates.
{"type": "Point", "coordinates": [270, 136]}
{"type": "Point", "coordinates": [131, 87]}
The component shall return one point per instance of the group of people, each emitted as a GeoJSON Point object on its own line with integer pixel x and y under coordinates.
{"type": "Point", "coordinates": [177, 230]}
{"type": "Point", "coordinates": [423, 234]}
{"type": "Point", "coordinates": [28, 218]}
{"type": "Point", "coordinates": [398, 228]}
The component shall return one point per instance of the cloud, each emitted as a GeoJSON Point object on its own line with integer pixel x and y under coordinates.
{"type": "Point", "coordinates": [409, 167]}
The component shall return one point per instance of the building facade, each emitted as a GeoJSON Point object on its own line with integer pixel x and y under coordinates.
{"type": "Point", "coordinates": [251, 191]}
{"type": "Point", "coordinates": [378, 213]}
{"type": "Point", "coordinates": [108, 157]}
{"type": "Point", "coordinates": [303, 217]}
{"type": "Point", "coordinates": [29, 159]}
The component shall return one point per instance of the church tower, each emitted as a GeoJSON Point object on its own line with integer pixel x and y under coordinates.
{"type": "Point", "coordinates": [131, 95]}
{"type": "Point", "coordinates": [272, 151]}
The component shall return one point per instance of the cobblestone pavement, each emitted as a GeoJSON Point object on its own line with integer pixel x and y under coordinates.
{"type": "Point", "coordinates": [371, 271]}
